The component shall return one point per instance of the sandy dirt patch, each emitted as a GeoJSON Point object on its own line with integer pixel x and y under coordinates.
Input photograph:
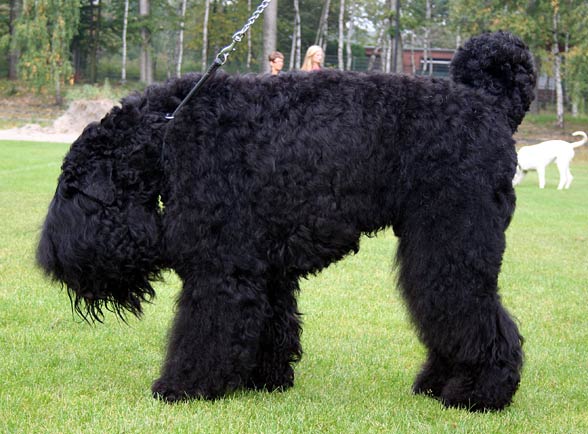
{"type": "Point", "coordinates": [67, 127]}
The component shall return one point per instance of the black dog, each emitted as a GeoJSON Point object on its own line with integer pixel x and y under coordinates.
{"type": "Point", "coordinates": [263, 180]}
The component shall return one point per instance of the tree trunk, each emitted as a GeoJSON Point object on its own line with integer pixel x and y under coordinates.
{"type": "Point", "coordinates": [292, 64]}
{"type": "Point", "coordinates": [427, 66]}
{"type": "Point", "coordinates": [95, 21]}
{"type": "Point", "coordinates": [295, 55]}
{"type": "Point", "coordinates": [146, 69]}
{"type": "Point", "coordinates": [341, 35]}
{"type": "Point", "coordinates": [249, 56]}
{"type": "Point", "coordinates": [372, 62]}
{"type": "Point", "coordinates": [123, 71]}
{"type": "Point", "coordinates": [412, 56]}
{"type": "Point", "coordinates": [58, 95]}
{"type": "Point", "coordinates": [349, 36]}
{"type": "Point", "coordinates": [298, 36]}
{"type": "Point", "coordinates": [389, 53]}
{"type": "Point", "coordinates": [398, 61]}
{"type": "Point", "coordinates": [180, 46]}
{"type": "Point", "coordinates": [557, 67]}
{"type": "Point", "coordinates": [321, 34]}
{"type": "Point", "coordinates": [205, 35]}
{"type": "Point", "coordinates": [270, 33]}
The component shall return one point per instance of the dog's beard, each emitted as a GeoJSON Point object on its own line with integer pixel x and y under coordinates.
{"type": "Point", "coordinates": [91, 306]}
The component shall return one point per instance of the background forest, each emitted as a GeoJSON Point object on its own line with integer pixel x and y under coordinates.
{"type": "Point", "coordinates": [50, 44]}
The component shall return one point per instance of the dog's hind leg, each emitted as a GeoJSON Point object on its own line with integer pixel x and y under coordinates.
{"type": "Point", "coordinates": [569, 179]}
{"type": "Point", "coordinates": [541, 176]}
{"type": "Point", "coordinates": [214, 340]}
{"type": "Point", "coordinates": [279, 345]}
{"type": "Point", "coordinates": [565, 174]}
{"type": "Point", "coordinates": [450, 256]}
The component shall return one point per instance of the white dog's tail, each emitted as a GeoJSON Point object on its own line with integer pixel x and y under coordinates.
{"type": "Point", "coordinates": [580, 142]}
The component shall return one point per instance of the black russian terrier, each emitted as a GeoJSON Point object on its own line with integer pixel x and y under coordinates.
{"type": "Point", "coordinates": [262, 180]}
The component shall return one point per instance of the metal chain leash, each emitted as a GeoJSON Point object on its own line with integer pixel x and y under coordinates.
{"type": "Point", "coordinates": [238, 36]}
{"type": "Point", "coordinates": [222, 56]}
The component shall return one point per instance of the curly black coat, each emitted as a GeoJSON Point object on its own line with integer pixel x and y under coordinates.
{"type": "Point", "coordinates": [263, 180]}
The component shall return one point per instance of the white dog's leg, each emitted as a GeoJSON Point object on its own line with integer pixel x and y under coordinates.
{"type": "Point", "coordinates": [565, 175]}
{"type": "Point", "coordinates": [569, 179]}
{"type": "Point", "coordinates": [541, 174]}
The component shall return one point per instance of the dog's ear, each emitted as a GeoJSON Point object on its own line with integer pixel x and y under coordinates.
{"type": "Point", "coordinates": [102, 234]}
{"type": "Point", "coordinates": [98, 185]}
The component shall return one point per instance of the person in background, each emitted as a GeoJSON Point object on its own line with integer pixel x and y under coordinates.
{"type": "Point", "coordinates": [313, 61]}
{"type": "Point", "coordinates": [276, 60]}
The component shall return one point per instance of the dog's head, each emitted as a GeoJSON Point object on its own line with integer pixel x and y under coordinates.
{"type": "Point", "coordinates": [101, 237]}
{"type": "Point", "coordinates": [501, 65]}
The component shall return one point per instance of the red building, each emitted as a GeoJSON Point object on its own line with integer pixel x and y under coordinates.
{"type": "Point", "coordinates": [414, 62]}
{"type": "Point", "coordinates": [437, 61]}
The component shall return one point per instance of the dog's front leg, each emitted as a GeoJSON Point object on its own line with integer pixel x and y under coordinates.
{"type": "Point", "coordinates": [214, 339]}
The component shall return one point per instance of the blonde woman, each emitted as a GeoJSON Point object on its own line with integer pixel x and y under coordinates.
{"type": "Point", "coordinates": [313, 61]}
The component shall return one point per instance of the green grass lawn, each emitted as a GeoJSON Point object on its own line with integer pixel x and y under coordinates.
{"type": "Point", "coordinates": [60, 375]}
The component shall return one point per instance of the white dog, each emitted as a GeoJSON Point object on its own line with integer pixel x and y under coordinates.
{"type": "Point", "coordinates": [538, 157]}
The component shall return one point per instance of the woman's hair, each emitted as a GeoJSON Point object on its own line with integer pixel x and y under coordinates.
{"type": "Point", "coordinates": [312, 50]}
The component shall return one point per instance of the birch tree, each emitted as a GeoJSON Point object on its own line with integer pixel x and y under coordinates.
{"type": "Point", "coordinates": [341, 39]}
{"type": "Point", "coordinates": [323, 27]}
{"type": "Point", "coordinates": [123, 72]}
{"type": "Point", "coordinates": [180, 42]}
{"type": "Point", "coordinates": [205, 35]}
{"type": "Point", "coordinates": [349, 41]}
{"type": "Point", "coordinates": [427, 40]}
{"type": "Point", "coordinates": [295, 51]}
{"type": "Point", "coordinates": [44, 33]}
{"type": "Point", "coordinates": [145, 60]}
{"type": "Point", "coordinates": [249, 54]}
{"type": "Point", "coordinates": [557, 65]}
{"type": "Point", "coordinates": [378, 47]}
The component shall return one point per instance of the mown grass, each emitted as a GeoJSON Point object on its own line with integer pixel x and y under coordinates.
{"type": "Point", "coordinates": [58, 374]}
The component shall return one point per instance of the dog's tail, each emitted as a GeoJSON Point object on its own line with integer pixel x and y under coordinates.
{"type": "Point", "coordinates": [580, 142]}
{"type": "Point", "coordinates": [502, 65]}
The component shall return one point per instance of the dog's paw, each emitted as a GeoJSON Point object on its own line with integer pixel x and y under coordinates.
{"type": "Point", "coordinates": [272, 381]}
{"type": "Point", "coordinates": [169, 392]}
{"type": "Point", "coordinates": [166, 392]}
{"type": "Point", "coordinates": [491, 390]}
{"type": "Point", "coordinates": [428, 386]}
{"type": "Point", "coordinates": [433, 376]}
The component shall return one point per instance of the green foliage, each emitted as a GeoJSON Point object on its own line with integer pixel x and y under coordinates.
{"type": "Point", "coordinates": [361, 354]}
{"type": "Point", "coordinates": [94, 91]}
{"type": "Point", "coordinates": [4, 28]}
{"type": "Point", "coordinates": [413, 17]}
{"type": "Point", "coordinates": [44, 32]}
{"type": "Point", "coordinates": [533, 21]}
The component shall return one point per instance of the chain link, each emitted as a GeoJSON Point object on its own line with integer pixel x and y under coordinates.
{"type": "Point", "coordinates": [223, 54]}
{"type": "Point", "coordinates": [220, 59]}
